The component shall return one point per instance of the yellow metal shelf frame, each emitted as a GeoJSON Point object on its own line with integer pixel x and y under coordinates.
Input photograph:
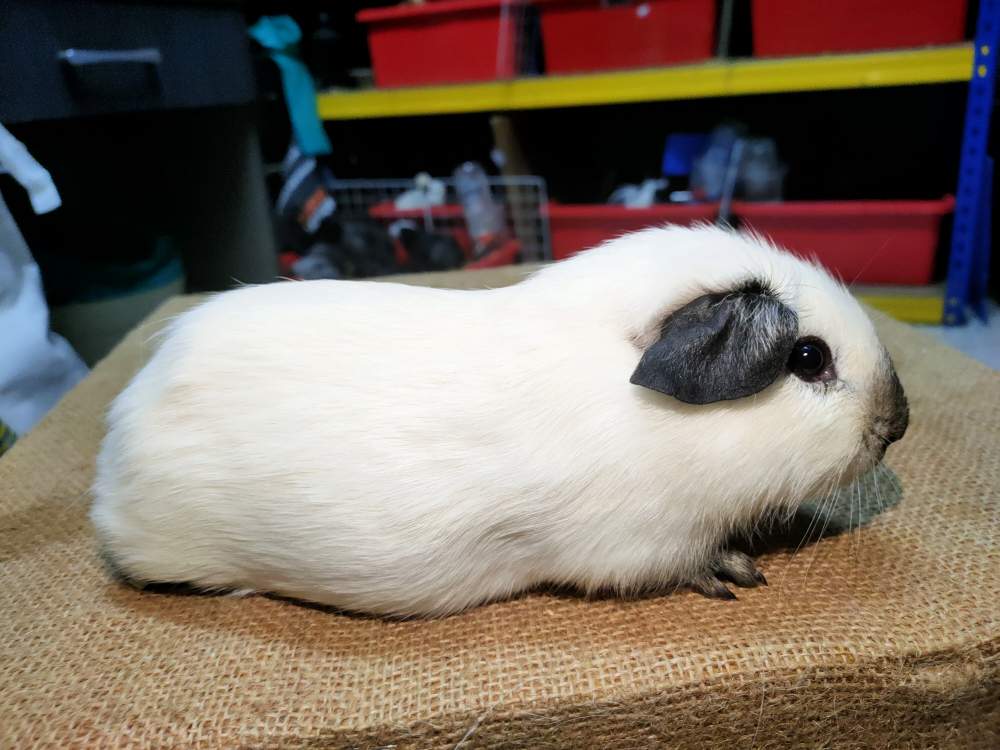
{"type": "Point", "coordinates": [909, 308]}
{"type": "Point", "coordinates": [711, 79]}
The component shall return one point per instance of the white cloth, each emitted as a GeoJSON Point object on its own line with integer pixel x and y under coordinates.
{"type": "Point", "coordinates": [34, 178]}
{"type": "Point", "coordinates": [36, 366]}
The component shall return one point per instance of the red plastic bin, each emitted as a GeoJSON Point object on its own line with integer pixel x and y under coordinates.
{"type": "Point", "coordinates": [449, 217]}
{"type": "Point", "coordinates": [576, 227]}
{"type": "Point", "coordinates": [873, 242]}
{"type": "Point", "coordinates": [451, 41]}
{"type": "Point", "coordinates": [798, 27]}
{"type": "Point", "coordinates": [587, 35]}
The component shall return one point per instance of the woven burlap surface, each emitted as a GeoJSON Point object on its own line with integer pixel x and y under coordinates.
{"type": "Point", "coordinates": [887, 637]}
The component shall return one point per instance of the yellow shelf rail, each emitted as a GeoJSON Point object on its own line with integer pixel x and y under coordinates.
{"type": "Point", "coordinates": [710, 79]}
{"type": "Point", "coordinates": [918, 305]}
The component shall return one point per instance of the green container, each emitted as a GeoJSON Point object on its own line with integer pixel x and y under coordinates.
{"type": "Point", "coordinates": [7, 437]}
{"type": "Point", "coordinates": [112, 300]}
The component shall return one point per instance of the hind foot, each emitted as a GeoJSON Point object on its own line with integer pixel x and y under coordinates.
{"type": "Point", "coordinates": [729, 565]}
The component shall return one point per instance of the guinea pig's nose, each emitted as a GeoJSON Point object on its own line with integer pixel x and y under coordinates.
{"type": "Point", "coordinates": [893, 425]}
{"type": "Point", "coordinates": [893, 428]}
{"type": "Point", "coordinates": [897, 428]}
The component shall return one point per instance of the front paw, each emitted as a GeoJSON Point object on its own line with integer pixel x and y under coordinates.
{"type": "Point", "coordinates": [729, 565]}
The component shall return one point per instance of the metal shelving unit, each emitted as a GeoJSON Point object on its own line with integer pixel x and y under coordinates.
{"type": "Point", "coordinates": [968, 263]}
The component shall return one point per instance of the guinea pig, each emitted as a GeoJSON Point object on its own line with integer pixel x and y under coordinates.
{"type": "Point", "coordinates": [607, 423]}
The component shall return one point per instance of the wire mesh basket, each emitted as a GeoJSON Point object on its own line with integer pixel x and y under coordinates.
{"type": "Point", "coordinates": [522, 200]}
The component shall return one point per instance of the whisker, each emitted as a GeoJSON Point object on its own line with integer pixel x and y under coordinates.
{"type": "Point", "coordinates": [826, 507]}
{"type": "Point", "coordinates": [866, 266]}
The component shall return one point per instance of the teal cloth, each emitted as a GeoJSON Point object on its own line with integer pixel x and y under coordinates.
{"type": "Point", "coordinates": [280, 36]}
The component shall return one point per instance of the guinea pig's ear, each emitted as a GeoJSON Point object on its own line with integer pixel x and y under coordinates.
{"type": "Point", "coordinates": [720, 346]}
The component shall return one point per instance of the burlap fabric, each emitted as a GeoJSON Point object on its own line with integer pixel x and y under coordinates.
{"type": "Point", "coordinates": [888, 637]}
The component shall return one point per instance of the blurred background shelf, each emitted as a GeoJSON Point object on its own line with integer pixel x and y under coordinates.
{"type": "Point", "coordinates": [924, 305]}
{"type": "Point", "coordinates": [717, 78]}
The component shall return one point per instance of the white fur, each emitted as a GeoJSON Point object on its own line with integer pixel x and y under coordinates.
{"type": "Point", "coordinates": [404, 450]}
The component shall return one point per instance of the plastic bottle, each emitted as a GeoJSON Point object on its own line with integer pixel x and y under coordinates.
{"type": "Point", "coordinates": [484, 217]}
{"type": "Point", "coordinates": [762, 174]}
{"type": "Point", "coordinates": [708, 176]}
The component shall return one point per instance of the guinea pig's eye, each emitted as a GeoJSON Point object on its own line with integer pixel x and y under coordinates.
{"type": "Point", "coordinates": [810, 359]}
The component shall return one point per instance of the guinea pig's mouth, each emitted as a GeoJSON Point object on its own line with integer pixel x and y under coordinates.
{"type": "Point", "coordinates": [888, 424]}
{"type": "Point", "coordinates": [867, 455]}
{"type": "Point", "coordinates": [876, 447]}
{"type": "Point", "coordinates": [871, 450]}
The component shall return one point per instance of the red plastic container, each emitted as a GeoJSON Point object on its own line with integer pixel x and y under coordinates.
{"type": "Point", "coordinates": [505, 254]}
{"type": "Point", "coordinates": [451, 41]}
{"type": "Point", "coordinates": [449, 216]}
{"type": "Point", "coordinates": [873, 242]}
{"type": "Point", "coordinates": [586, 35]}
{"type": "Point", "coordinates": [804, 27]}
{"type": "Point", "coordinates": [578, 227]}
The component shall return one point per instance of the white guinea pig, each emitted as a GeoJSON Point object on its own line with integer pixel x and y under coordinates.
{"type": "Point", "coordinates": [606, 423]}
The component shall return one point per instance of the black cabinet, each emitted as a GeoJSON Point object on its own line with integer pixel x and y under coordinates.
{"type": "Point", "coordinates": [65, 58]}
{"type": "Point", "coordinates": [144, 114]}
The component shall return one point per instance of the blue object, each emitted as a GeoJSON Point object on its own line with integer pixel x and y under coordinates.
{"type": "Point", "coordinates": [680, 152]}
{"type": "Point", "coordinates": [280, 36]}
{"type": "Point", "coordinates": [968, 264]}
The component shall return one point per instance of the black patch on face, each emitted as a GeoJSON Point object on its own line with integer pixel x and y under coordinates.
{"type": "Point", "coordinates": [721, 346]}
{"type": "Point", "coordinates": [896, 409]}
